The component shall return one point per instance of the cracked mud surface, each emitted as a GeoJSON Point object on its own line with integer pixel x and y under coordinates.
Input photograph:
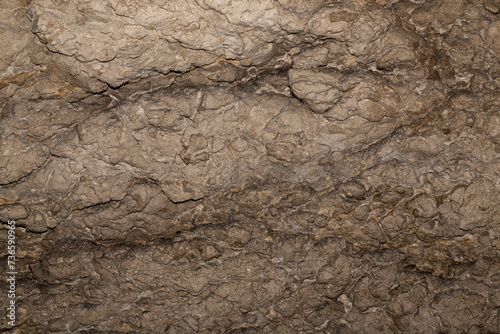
{"type": "Point", "coordinates": [275, 166]}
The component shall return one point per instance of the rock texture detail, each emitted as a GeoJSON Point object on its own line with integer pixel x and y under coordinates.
{"type": "Point", "coordinates": [272, 166]}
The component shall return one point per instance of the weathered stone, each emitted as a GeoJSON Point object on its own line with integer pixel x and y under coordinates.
{"type": "Point", "coordinates": [251, 167]}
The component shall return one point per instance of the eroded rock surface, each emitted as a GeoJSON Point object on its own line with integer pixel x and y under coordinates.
{"type": "Point", "coordinates": [213, 166]}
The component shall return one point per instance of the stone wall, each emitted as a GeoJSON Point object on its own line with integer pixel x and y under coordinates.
{"type": "Point", "coordinates": [251, 166]}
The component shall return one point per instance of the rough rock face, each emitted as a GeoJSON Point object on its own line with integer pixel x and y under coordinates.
{"type": "Point", "coordinates": [271, 166]}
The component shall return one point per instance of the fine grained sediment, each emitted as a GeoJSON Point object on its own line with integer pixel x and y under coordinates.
{"type": "Point", "coordinates": [275, 166]}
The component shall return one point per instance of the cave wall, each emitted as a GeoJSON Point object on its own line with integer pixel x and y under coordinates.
{"type": "Point", "coordinates": [270, 166]}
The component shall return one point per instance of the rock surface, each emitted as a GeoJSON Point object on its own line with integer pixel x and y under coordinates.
{"type": "Point", "coordinates": [286, 166]}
